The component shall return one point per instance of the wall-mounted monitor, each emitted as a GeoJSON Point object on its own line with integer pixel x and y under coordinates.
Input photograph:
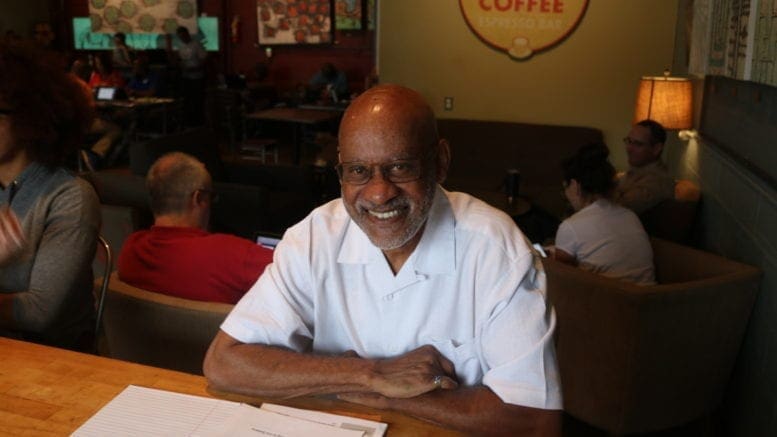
{"type": "Point", "coordinates": [85, 39]}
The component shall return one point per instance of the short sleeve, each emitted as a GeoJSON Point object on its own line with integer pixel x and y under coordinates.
{"type": "Point", "coordinates": [278, 309]}
{"type": "Point", "coordinates": [517, 341]}
{"type": "Point", "coordinates": [566, 238]}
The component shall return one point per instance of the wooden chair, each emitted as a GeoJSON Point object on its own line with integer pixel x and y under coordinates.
{"type": "Point", "coordinates": [158, 330]}
{"type": "Point", "coordinates": [641, 359]}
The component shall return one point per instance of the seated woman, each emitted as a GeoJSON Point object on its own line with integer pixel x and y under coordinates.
{"type": "Point", "coordinates": [601, 236]}
{"type": "Point", "coordinates": [50, 218]}
{"type": "Point", "coordinates": [104, 74]}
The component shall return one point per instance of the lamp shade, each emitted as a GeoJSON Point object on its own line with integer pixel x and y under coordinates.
{"type": "Point", "coordinates": [666, 100]}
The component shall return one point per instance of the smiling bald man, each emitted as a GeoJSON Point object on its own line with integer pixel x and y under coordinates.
{"type": "Point", "coordinates": [400, 295]}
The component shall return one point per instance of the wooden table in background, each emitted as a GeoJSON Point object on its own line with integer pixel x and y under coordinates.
{"type": "Point", "coordinates": [298, 117]}
{"type": "Point", "coordinates": [51, 392]}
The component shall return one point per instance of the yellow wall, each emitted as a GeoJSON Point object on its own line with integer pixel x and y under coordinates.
{"type": "Point", "coordinates": [589, 79]}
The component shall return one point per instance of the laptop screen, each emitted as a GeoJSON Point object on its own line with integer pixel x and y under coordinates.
{"type": "Point", "coordinates": [106, 93]}
{"type": "Point", "coordinates": [269, 241]}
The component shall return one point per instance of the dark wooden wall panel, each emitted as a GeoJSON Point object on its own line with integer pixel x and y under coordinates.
{"type": "Point", "coordinates": [740, 118]}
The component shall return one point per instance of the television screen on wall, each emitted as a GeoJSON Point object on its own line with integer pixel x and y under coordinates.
{"type": "Point", "coordinates": [85, 39]}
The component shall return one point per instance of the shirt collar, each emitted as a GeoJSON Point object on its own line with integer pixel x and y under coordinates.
{"type": "Point", "coordinates": [657, 165]}
{"type": "Point", "coordinates": [435, 253]}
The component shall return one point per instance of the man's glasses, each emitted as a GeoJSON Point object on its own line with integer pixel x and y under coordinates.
{"type": "Point", "coordinates": [399, 171]}
{"type": "Point", "coordinates": [632, 142]}
{"type": "Point", "coordinates": [6, 111]}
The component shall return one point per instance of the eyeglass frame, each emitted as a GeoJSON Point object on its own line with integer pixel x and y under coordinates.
{"type": "Point", "coordinates": [383, 169]}
{"type": "Point", "coordinates": [628, 141]}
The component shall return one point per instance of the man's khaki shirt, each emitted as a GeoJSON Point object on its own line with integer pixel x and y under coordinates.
{"type": "Point", "coordinates": [640, 189]}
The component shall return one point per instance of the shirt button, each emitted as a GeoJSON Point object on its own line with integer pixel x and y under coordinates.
{"type": "Point", "coordinates": [388, 297]}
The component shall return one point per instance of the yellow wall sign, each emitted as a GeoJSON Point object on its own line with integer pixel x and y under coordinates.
{"type": "Point", "coordinates": [522, 27]}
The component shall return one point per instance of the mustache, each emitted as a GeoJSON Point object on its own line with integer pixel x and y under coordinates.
{"type": "Point", "coordinates": [397, 202]}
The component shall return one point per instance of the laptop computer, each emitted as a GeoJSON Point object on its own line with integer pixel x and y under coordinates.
{"type": "Point", "coordinates": [105, 93]}
{"type": "Point", "coordinates": [108, 93]}
{"type": "Point", "coordinates": [268, 239]}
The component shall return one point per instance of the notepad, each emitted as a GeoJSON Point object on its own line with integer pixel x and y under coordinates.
{"type": "Point", "coordinates": [150, 412]}
{"type": "Point", "coordinates": [258, 422]}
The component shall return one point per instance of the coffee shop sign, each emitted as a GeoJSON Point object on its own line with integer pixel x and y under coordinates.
{"type": "Point", "coordinates": [522, 27]}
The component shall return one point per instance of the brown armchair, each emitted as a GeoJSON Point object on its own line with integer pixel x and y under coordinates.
{"type": "Point", "coordinates": [639, 359]}
{"type": "Point", "coordinates": [156, 329]}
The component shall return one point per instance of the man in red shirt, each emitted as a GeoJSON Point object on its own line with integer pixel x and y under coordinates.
{"type": "Point", "coordinates": [178, 256]}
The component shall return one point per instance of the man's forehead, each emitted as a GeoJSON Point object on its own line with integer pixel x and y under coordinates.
{"type": "Point", "coordinates": [640, 133]}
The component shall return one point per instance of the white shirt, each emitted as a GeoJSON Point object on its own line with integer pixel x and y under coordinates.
{"type": "Point", "coordinates": [608, 239]}
{"type": "Point", "coordinates": [472, 288]}
{"type": "Point", "coordinates": [192, 56]}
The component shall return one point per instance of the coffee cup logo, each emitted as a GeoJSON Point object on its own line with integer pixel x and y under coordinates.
{"type": "Point", "coordinates": [522, 27]}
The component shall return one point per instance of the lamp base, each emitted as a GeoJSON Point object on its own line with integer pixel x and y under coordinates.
{"type": "Point", "coordinates": [688, 134]}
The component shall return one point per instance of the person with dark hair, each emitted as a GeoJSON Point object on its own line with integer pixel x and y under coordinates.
{"type": "Point", "coordinates": [104, 74]}
{"type": "Point", "coordinates": [601, 236]}
{"type": "Point", "coordinates": [11, 37]}
{"type": "Point", "coordinates": [121, 55]}
{"type": "Point", "coordinates": [647, 182]}
{"type": "Point", "coordinates": [51, 217]}
{"type": "Point", "coordinates": [190, 58]}
{"type": "Point", "coordinates": [143, 82]}
{"type": "Point", "coordinates": [178, 256]}
{"type": "Point", "coordinates": [43, 35]}
{"type": "Point", "coordinates": [329, 84]}
{"type": "Point", "coordinates": [103, 132]}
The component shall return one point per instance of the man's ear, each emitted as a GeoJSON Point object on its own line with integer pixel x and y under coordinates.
{"type": "Point", "coordinates": [576, 187]}
{"type": "Point", "coordinates": [443, 160]}
{"type": "Point", "coordinates": [657, 149]}
{"type": "Point", "coordinates": [197, 198]}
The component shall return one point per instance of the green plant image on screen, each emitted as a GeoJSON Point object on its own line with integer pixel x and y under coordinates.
{"type": "Point", "coordinates": [85, 39]}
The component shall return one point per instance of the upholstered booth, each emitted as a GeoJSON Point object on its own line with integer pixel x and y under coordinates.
{"type": "Point", "coordinates": [483, 151]}
{"type": "Point", "coordinates": [638, 359]}
{"type": "Point", "coordinates": [674, 219]}
{"type": "Point", "coordinates": [156, 329]}
{"type": "Point", "coordinates": [290, 190]}
{"type": "Point", "coordinates": [241, 209]}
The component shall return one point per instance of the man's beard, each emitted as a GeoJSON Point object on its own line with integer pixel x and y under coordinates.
{"type": "Point", "coordinates": [417, 215]}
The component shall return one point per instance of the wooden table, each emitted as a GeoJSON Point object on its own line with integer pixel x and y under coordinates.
{"type": "Point", "coordinates": [298, 117]}
{"type": "Point", "coordinates": [50, 392]}
{"type": "Point", "coordinates": [132, 114]}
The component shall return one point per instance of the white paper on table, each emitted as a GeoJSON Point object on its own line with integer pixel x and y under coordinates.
{"type": "Point", "coordinates": [249, 421]}
{"type": "Point", "coordinates": [150, 412]}
{"type": "Point", "coordinates": [370, 428]}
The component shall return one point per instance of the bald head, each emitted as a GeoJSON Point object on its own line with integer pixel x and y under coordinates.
{"type": "Point", "coordinates": [392, 113]}
{"type": "Point", "coordinates": [172, 180]}
{"type": "Point", "coordinates": [390, 128]}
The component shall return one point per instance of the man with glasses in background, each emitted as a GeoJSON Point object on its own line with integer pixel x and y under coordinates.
{"type": "Point", "coordinates": [400, 295]}
{"type": "Point", "coordinates": [647, 182]}
{"type": "Point", "coordinates": [178, 256]}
